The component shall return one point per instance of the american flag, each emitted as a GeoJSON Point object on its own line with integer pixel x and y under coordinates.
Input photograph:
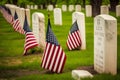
{"type": "Point", "coordinates": [30, 40]}
{"type": "Point", "coordinates": [6, 14]}
{"type": "Point", "coordinates": [74, 39]}
{"type": "Point", "coordinates": [54, 57]}
{"type": "Point", "coordinates": [9, 16]}
{"type": "Point", "coordinates": [16, 24]}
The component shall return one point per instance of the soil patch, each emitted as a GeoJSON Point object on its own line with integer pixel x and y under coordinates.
{"type": "Point", "coordinates": [88, 68]}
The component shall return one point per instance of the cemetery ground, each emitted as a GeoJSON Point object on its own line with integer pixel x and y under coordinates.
{"type": "Point", "coordinates": [15, 66]}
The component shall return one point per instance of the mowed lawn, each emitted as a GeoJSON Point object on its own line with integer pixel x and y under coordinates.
{"type": "Point", "coordinates": [15, 66]}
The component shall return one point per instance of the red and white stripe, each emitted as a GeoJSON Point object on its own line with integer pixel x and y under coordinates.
{"type": "Point", "coordinates": [7, 16]}
{"type": "Point", "coordinates": [17, 27]}
{"type": "Point", "coordinates": [74, 40]}
{"type": "Point", "coordinates": [30, 42]}
{"type": "Point", "coordinates": [10, 19]}
{"type": "Point", "coordinates": [53, 58]}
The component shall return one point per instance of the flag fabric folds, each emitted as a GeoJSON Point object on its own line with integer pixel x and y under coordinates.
{"type": "Point", "coordinates": [10, 17]}
{"type": "Point", "coordinates": [16, 24]}
{"type": "Point", "coordinates": [74, 39]}
{"type": "Point", "coordinates": [6, 14]}
{"type": "Point", "coordinates": [54, 57]}
{"type": "Point", "coordinates": [30, 40]}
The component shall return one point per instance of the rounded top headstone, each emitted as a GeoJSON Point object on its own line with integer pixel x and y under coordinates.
{"type": "Point", "coordinates": [107, 17]}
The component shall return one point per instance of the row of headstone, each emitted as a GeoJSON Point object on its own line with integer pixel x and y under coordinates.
{"type": "Point", "coordinates": [105, 41]}
{"type": "Point", "coordinates": [34, 6]}
{"type": "Point", "coordinates": [58, 15]}
{"type": "Point", "coordinates": [64, 8]}
{"type": "Point", "coordinates": [20, 12]}
{"type": "Point", "coordinates": [38, 26]}
{"type": "Point", "coordinates": [104, 9]}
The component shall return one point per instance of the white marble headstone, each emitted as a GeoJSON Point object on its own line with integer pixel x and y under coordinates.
{"type": "Point", "coordinates": [105, 44]}
{"type": "Point", "coordinates": [38, 26]}
{"type": "Point", "coordinates": [28, 15]}
{"type": "Point", "coordinates": [78, 8]}
{"type": "Point", "coordinates": [35, 6]}
{"type": "Point", "coordinates": [71, 8]}
{"type": "Point", "coordinates": [104, 9]}
{"type": "Point", "coordinates": [31, 7]}
{"type": "Point", "coordinates": [41, 6]}
{"type": "Point", "coordinates": [28, 6]}
{"type": "Point", "coordinates": [118, 10]}
{"type": "Point", "coordinates": [12, 9]}
{"type": "Point", "coordinates": [50, 7]}
{"type": "Point", "coordinates": [21, 16]}
{"type": "Point", "coordinates": [64, 7]}
{"type": "Point", "coordinates": [80, 17]}
{"type": "Point", "coordinates": [57, 16]}
{"type": "Point", "coordinates": [88, 10]}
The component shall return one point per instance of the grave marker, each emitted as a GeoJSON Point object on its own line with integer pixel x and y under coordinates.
{"type": "Point", "coordinates": [50, 7]}
{"type": "Point", "coordinates": [28, 15]}
{"type": "Point", "coordinates": [88, 10]}
{"type": "Point", "coordinates": [105, 44]}
{"type": "Point", "coordinates": [104, 9]}
{"type": "Point", "coordinates": [21, 16]}
{"type": "Point", "coordinates": [118, 10]}
{"type": "Point", "coordinates": [35, 6]}
{"type": "Point", "coordinates": [79, 16]}
{"type": "Point", "coordinates": [31, 7]}
{"type": "Point", "coordinates": [12, 9]}
{"type": "Point", "coordinates": [64, 8]}
{"type": "Point", "coordinates": [71, 8]}
{"type": "Point", "coordinates": [78, 8]}
{"type": "Point", "coordinates": [28, 6]}
{"type": "Point", "coordinates": [38, 26]}
{"type": "Point", "coordinates": [57, 16]}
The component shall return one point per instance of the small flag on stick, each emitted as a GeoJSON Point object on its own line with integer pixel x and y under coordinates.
{"type": "Point", "coordinates": [16, 24]}
{"type": "Point", "coordinates": [54, 57]}
{"type": "Point", "coordinates": [74, 39]}
{"type": "Point", "coordinates": [30, 40]}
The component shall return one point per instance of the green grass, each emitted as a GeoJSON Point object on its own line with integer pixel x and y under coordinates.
{"type": "Point", "coordinates": [12, 44]}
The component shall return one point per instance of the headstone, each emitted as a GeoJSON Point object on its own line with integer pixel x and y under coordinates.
{"type": "Point", "coordinates": [21, 16]}
{"type": "Point", "coordinates": [80, 17]}
{"type": "Point", "coordinates": [109, 6]}
{"type": "Point", "coordinates": [64, 8]}
{"type": "Point", "coordinates": [57, 16]}
{"type": "Point", "coordinates": [38, 26]}
{"type": "Point", "coordinates": [78, 74]}
{"type": "Point", "coordinates": [12, 9]}
{"type": "Point", "coordinates": [88, 10]}
{"type": "Point", "coordinates": [35, 6]}
{"type": "Point", "coordinates": [104, 9]}
{"type": "Point", "coordinates": [41, 6]}
{"type": "Point", "coordinates": [28, 6]}
{"type": "Point", "coordinates": [78, 8]}
{"type": "Point", "coordinates": [31, 7]}
{"type": "Point", "coordinates": [105, 44]}
{"type": "Point", "coordinates": [28, 15]}
{"type": "Point", "coordinates": [71, 8]}
{"type": "Point", "coordinates": [118, 10]}
{"type": "Point", "coordinates": [50, 7]}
